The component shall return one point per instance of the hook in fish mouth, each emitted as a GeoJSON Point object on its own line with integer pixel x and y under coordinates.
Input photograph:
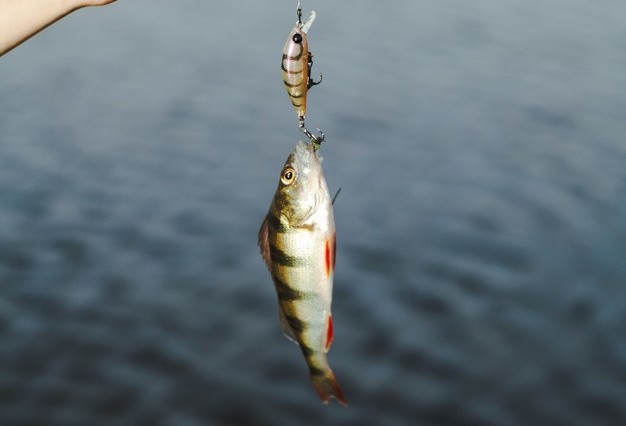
{"type": "Point", "coordinates": [315, 140]}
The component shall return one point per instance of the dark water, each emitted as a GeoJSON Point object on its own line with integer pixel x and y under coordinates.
{"type": "Point", "coordinates": [482, 222]}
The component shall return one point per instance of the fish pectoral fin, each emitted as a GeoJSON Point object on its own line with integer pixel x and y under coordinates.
{"type": "Point", "coordinates": [287, 331]}
{"type": "Point", "coordinates": [264, 242]}
{"type": "Point", "coordinates": [306, 227]}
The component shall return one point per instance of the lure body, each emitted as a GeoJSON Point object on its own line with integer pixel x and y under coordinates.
{"type": "Point", "coordinates": [297, 241]}
{"type": "Point", "coordinates": [296, 65]}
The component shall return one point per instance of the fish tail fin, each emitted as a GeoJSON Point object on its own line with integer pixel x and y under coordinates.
{"type": "Point", "coordinates": [327, 387]}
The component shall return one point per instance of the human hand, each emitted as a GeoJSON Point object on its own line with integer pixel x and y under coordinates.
{"type": "Point", "coordinates": [21, 19]}
{"type": "Point", "coordinates": [86, 3]}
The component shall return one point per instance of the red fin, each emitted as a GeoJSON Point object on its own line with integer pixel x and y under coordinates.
{"type": "Point", "coordinates": [327, 387]}
{"type": "Point", "coordinates": [329, 333]}
{"type": "Point", "coordinates": [328, 258]}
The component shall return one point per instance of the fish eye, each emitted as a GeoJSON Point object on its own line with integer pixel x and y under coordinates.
{"type": "Point", "coordinates": [297, 38]}
{"type": "Point", "coordinates": [288, 176]}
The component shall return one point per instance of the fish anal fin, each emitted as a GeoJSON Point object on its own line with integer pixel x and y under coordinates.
{"type": "Point", "coordinates": [264, 242]}
{"type": "Point", "coordinates": [328, 258]}
{"type": "Point", "coordinates": [330, 334]}
{"type": "Point", "coordinates": [287, 331]}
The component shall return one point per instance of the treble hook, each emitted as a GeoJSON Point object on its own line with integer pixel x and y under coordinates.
{"type": "Point", "coordinates": [312, 82]}
{"type": "Point", "coordinates": [316, 140]}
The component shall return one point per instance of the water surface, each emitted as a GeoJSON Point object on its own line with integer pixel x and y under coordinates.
{"type": "Point", "coordinates": [481, 223]}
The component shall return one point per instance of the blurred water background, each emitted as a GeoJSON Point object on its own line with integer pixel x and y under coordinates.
{"type": "Point", "coordinates": [481, 227]}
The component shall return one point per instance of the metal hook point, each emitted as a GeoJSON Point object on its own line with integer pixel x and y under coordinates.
{"type": "Point", "coordinates": [315, 140]}
{"type": "Point", "coordinates": [313, 82]}
{"type": "Point", "coordinates": [319, 139]}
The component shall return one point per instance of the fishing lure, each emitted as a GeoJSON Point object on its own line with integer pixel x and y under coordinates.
{"type": "Point", "coordinates": [298, 243]}
{"type": "Point", "coordinates": [296, 65]}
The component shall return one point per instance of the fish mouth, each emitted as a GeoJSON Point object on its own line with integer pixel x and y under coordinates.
{"type": "Point", "coordinates": [304, 154]}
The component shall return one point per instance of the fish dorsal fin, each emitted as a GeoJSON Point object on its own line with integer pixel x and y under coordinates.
{"type": "Point", "coordinates": [287, 331]}
{"type": "Point", "coordinates": [264, 242]}
{"type": "Point", "coordinates": [335, 197]}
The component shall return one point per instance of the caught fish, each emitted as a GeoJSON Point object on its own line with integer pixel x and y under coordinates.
{"type": "Point", "coordinates": [296, 65]}
{"type": "Point", "coordinates": [297, 241]}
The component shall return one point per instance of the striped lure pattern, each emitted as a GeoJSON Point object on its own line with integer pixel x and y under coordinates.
{"type": "Point", "coordinates": [296, 65]}
{"type": "Point", "coordinates": [298, 243]}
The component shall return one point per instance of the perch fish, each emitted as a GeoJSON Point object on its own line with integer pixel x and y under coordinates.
{"type": "Point", "coordinates": [298, 243]}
